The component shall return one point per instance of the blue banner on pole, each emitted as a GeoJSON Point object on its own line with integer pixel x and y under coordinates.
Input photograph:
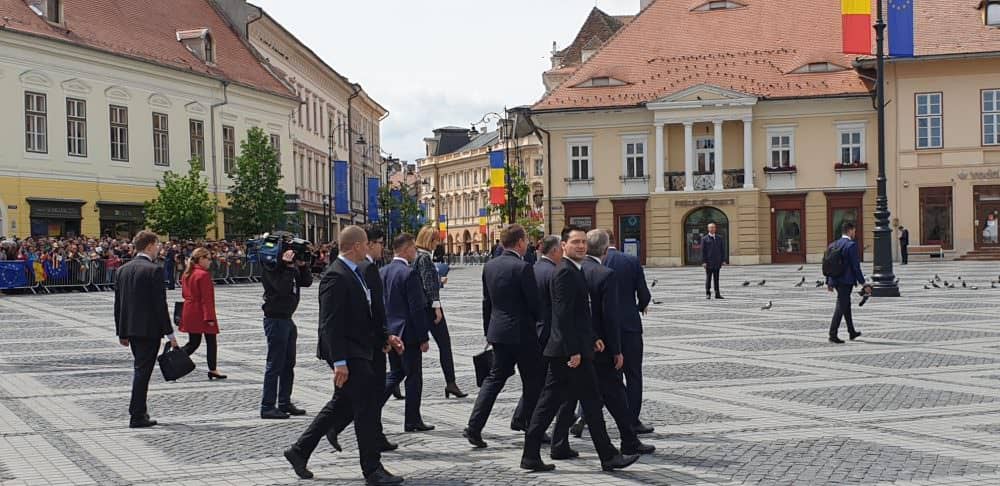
{"type": "Point", "coordinates": [373, 212]}
{"type": "Point", "coordinates": [901, 28]}
{"type": "Point", "coordinates": [339, 184]}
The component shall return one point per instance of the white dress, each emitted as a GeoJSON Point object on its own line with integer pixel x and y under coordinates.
{"type": "Point", "coordinates": [990, 233]}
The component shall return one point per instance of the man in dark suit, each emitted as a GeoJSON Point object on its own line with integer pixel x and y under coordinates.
{"type": "Point", "coordinates": [904, 243]}
{"type": "Point", "coordinates": [713, 257]}
{"type": "Point", "coordinates": [845, 282]}
{"type": "Point", "coordinates": [570, 351]}
{"type": "Point", "coordinates": [510, 319]}
{"type": "Point", "coordinates": [633, 299]}
{"type": "Point", "coordinates": [142, 319]}
{"type": "Point", "coordinates": [348, 332]}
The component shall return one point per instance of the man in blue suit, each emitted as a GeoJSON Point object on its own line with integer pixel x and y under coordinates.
{"type": "Point", "coordinates": [713, 257]}
{"type": "Point", "coordinates": [633, 299]}
{"type": "Point", "coordinates": [406, 318]}
{"type": "Point", "coordinates": [845, 282]}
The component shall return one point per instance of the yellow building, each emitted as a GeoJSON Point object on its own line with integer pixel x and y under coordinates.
{"type": "Point", "coordinates": [98, 115]}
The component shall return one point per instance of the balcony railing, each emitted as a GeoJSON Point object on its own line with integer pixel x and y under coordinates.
{"type": "Point", "coordinates": [704, 181]}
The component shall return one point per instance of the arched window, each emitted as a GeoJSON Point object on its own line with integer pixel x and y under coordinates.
{"type": "Point", "coordinates": [209, 49]}
{"type": "Point", "coordinates": [696, 227]}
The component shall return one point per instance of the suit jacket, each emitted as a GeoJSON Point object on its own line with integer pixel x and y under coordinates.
{"type": "Point", "coordinates": [348, 327]}
{"type": "Point", "coordinates": [603, 304]}
{"type": "Point", "coordinates": [543, 270]}
{"type": "Point", "coordinates": [904, 237]}
{"type": "Point", "coordinates": [406, 315]}
{"type": "Point", "coordinates": [510, 301]}
{"type": "Point", "coordinates": [713, 253]}
{"type": "Point", "coordinates": [374, 282]}
{"type": "Point", "coordinates": [852, 274]}
{"type": "Point", "coordinates": [141, 301]}
{"type": "Point", "coordinates": [572, 332]}
{"type": "Point", "coordinates": [633, 293]}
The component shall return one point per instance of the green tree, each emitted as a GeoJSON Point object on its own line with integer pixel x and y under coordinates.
{"type": "Point", "coordinates": [518, 205]}
{"type": "Point", "coordinates": [183, 207]}
{"type": "Point", "coordinates": [256, 200]}
{"type": "Point", "coordinates": [410, 215]}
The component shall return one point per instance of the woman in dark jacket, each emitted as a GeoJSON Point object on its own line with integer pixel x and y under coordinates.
{"type": "Point", "coordinates": [430, 280]}
{"type": "Point", "coordinates": [198, 316]}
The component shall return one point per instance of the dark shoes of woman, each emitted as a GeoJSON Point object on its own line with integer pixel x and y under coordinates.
{"type": "Point", "coordinates": [452, 389]}
{"type": "Point", "coordinates": [215, 375]}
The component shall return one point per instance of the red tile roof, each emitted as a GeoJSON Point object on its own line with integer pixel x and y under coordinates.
{"type": "Point", "coordinates": [754, 49]}
{"type": "Point", "coordinates": [147, 30]}
{"type": "Point", "coordinates": [598, 27]}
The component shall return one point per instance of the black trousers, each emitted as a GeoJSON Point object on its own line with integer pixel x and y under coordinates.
{"type": "Point", "coordinates": [527, 358]}
{"type": "Point", "coordinates": [211, 345]}
{"type": "Point", "coordinates": [632, 350]}
{"type": "Point", "coordinates": [144, 352]}
{"type": "Point", "coordinates": [711, 276]}
{"type": "Point", "coordinates": [355, 400]}
{"type": "Point", "coordinates": [443, 341]}
{"type": "Point", "coordinates": [564, 384]}
{"type": "Point", "coordinates": [378, 367]}
{"type": "Point", "coordinates": [904, 253]}
{"type": "Point", "coordinates": [843, 310]}
{"type": "Point", "coordinates": [408, 367]}
{"type": "Point", "coordinates": [521, 417]}
{"type": "Point", "coordinates": [609, 383]}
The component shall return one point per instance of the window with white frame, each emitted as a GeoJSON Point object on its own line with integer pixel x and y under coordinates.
{"type": "Point", "coordinates": [851, 144]}
{"type": "Point", "coordinates": [928, 113]}
{"type": "Point", "coordinates": [229, 149]}
{"type": "Point", "coordinates": [76, 127]}
{"type": "Point", "coordinates": [118, 117]}
{"type": "Point", "coordinates": [704, 150]}
{"type": "Point", "coordinates": [161, 140]}
{"type": "Point", "coordinates": [781, 148]}
{"type": "Point", "coordinates": [992, 16]}
{"type": "Point", "coordinates": [196, 129]}
{"type": "Point", "coordinates": [539, 168]}
{"type": "Point", "coordinates": [635, 157]}
{"type": "Point", "coordinates": [991, 117]}
{"type": "Point", "coordinates": [35, 123]}
{"type": "Point", "coordinates": [579, 161]}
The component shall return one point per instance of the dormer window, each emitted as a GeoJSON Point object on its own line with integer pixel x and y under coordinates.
{"type": "Point", "coordinates": [819, 67]}
{"type": "Point", "coordinates": [717, 5]}
{"type": "Point", "coordinates": [600, 81]}
{"type": "Point", "coordinates": [199, 42]}
{"type": "Point", "coordinates": [50, 10]}
{"type": "Point", "coordinates": [992, 13]}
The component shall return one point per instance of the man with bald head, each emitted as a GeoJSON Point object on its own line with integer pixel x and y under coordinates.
{"type": "Point", "coordinates": [348, 331]}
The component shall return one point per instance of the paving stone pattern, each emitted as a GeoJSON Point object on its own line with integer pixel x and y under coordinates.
{"type": "Point", "coordinates": [738, 395]}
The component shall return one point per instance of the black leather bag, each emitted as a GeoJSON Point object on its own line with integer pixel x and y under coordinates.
{"type": "Point", "coordinates": [178, 311]}
{"type": "Point", "coordinates": [174, 363]}
{"type": "Point", "coordinates": [483, 363]}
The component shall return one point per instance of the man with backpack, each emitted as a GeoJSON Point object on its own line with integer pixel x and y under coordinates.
{"type": "Point", "coordinates": [842, 268]}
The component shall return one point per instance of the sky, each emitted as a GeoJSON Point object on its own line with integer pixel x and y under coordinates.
{"type": "Point", "coordinates": [435, 63]}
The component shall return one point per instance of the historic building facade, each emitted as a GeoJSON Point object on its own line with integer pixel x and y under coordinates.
{"type": "Point", "coordinates": [97, 114]}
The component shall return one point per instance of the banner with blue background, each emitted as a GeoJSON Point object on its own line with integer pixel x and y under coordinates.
{"type": "Point", "coordinates": [901, 28]}
{"type": "Point", "coordinates": [373, 186]}
{"type": "Point", "coordinates": [339, 183]}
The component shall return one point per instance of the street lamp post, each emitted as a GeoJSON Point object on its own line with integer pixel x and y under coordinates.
{"type": "Point", "coordinates": [884, 281]}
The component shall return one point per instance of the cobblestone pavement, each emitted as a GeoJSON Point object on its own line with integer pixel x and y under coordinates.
{"type": "Point", "coordinates": [738, 395]}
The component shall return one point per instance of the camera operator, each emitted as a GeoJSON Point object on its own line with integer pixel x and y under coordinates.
{"type": "Point", "coordinates": [281, 297]}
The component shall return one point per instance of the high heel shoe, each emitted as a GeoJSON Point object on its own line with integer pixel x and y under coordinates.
{"type": "Point", "coordinates": [452, 389]}
{"type": "Point", "coordinates": [216, 376]}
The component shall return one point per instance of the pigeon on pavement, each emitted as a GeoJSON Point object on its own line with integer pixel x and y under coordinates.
{"type": "Point", "coordinates": [746, 283]}
{"type": "Point", "coordinates": [801, 282]}
{"type": "Point", "coordinates": [819, 283]}
{"type": "Point", "coordinates": [768, 306]}
{"type": "Point", "coordinates": [761, 283]}
{"type": "Point", "coordinates": [800, 268]}
{"type": "Point", "coordinates": [935, 285]}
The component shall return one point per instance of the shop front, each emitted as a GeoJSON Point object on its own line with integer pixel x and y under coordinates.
{"type": "Point", "coordinates": [580, 213]}
{"type": "Point", "coordinates": [630, 226]}
{"type": "Point", "coordinates": [788, 230]}
{"type": "Point", "coordinates": [121, 220]}
{"type": "Point", "coordinates": [844, 207]}
{"type": "Point", "coordinates": [986, 204]}
{"type": "Point", "coordinates": [55, 217]}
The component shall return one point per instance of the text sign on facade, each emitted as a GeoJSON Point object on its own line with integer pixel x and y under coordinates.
{"type": "Point", "coordinates": [704, 202]}
{"type": "Point", "coordinates": [986, 174]}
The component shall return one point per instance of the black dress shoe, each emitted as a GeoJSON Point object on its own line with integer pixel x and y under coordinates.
{"type": "Point", "coordinates": [273, 414]}
{"type": "Point", "coordinates": [564, 454]}
{"type": "Point", "coordinates": [717, 296]}
{"type": "Point", "coordinates": [536, 465]}
{"type": "Point", "coordinates": [141, 422]}
{"type": "Point", "coordinates": [475, 438]}
{"type": "Point", "coordinates": [517, 426]}
{"type": "Point", "coordinates": [298, 463]}
{"type": "Point", "coordinates": [708, 297]}
{"type": "Point", "coordinates": [639, 448]}
{"type": "Point", "coordinates": [855, 335]}
{"type": "Point", "coordinates": [291, 409]}
{"type": "Point", "coordinates": [418, 427]}
{"type": "Point", "coordinates": [577, 428]}
{"type": "Point", "coordinates": [621, 461]}
{"type": "Point", "coordinates": [386, 446]}
{"type": "Point", "coordinates": [398, 395]}
{"type": "Point", "coordinates": [332, 437]}
{"type": "Point", "coordinates": [642, 429]}
{"type": "Point", "coordinates": [216, 376]}
{"type": "Point", "coordinates": [836, 340]}
{"type": "Point", "coordinates": [381, 477]}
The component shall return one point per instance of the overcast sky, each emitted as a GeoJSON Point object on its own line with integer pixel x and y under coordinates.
{"type": "Point", "coordinates": [434, 63]}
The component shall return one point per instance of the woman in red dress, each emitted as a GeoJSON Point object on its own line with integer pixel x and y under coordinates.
{"type": "Point", "coordinates": [198, 315]}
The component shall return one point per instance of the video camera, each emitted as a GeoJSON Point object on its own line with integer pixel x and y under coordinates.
{"type": "Point", "coordinates": [274, 245]}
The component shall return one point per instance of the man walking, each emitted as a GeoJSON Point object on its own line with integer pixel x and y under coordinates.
{"type": "Point", "coordinates": [633, 299]}
{"type": "Point", "coordinates": [510, 318]}
{"type": "Point", "coordinates": [281, 298]}
{"type": "Point", "coordinates": [142, 319]}
{"type": "Point", "coordinates": [713, 257]}
{"type": "Point", "coordinates": [348, 332]}
{"type": "Point", "coordinates": [570, 352]}
{"type": "Point", "coordinates": [842, 266]}
{"type": "Point", "coordinates": [904, 243]}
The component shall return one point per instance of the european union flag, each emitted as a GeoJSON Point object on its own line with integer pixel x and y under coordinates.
{"type": "Point", "coordinates": [901, 28]}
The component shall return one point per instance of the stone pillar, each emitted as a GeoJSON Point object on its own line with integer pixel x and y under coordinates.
{"type": "Point", "coordinates": [718, 155]}
{"type": "Point", "coordinates": [688, 156]}
{"type": "Point", "coordinates": [748, 153]}
{"type": "Point", "coordinates": [660, 164]}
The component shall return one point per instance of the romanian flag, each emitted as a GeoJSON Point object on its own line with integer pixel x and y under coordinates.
{"type": "Point", "coordinates": [857, 26]}
{"type": "Point", "coordinates": [482, 220]}
{"type": "Point", "coordinates": [443, 227]}
{"type": "Point", "coordinates": [498, 186]}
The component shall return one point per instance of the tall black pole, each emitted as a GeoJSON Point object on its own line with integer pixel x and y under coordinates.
{"type": "Point", "coordinates": [329, 193]}
{"type": "Point", "coordinates": [884, 281]}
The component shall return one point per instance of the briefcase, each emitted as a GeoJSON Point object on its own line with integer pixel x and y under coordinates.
{"type": "Point", "coordinates": [483, 363]}
{"type": "Point", "coordinates": [174, 363]}
{"type": "Point", "coordinates": [178, 311]}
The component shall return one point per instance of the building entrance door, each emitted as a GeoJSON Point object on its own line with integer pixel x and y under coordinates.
{"type": "Point", "coordinates": [696, 227]}
{"type": "Point", "coordinates": [788, 230]}
{"type": "Point", "coordinates": [986, 200]}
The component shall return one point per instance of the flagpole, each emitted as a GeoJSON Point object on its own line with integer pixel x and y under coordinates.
{"type": "Point", "coordinates": [884, 281]}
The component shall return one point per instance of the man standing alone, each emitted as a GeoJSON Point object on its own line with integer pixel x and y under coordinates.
{"type": "Point", "coordinates": [142, 319]}
{"type": "Point", "coordinates": [904, 243]}
{"type": "Point", "coordinates": [713, 257]}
